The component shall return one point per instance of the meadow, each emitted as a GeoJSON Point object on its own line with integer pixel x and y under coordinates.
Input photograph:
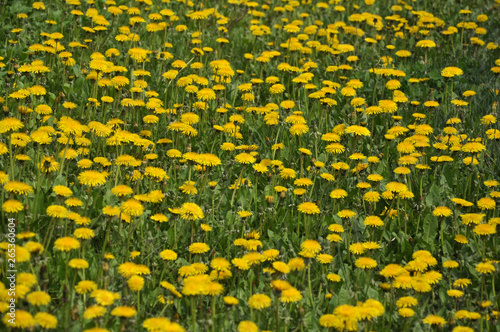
{"type": "Point", "coordinates": [250, 165]}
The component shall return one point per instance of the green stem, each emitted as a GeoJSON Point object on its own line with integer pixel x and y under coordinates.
{"type": "Point", "coordinates": [277, 314]}
{"type": "Point", "coordinates": [11, 155]}
{"type": "Point", "coordinates": [193, 313]}
{"type": "Point", "coordinates": [47, 233]}
{"type": "Point", "coordinates": [236, 185]}
{"type": "Point", "coordinates": [71, 297]}
{"type": "Point", "coordinates": [213, 314]}
{"type": "Point", "coordinates": [309, 283]}
{"type": "Point", "coordinates": [64, 155]}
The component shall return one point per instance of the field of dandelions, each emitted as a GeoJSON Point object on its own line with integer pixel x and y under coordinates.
{"type": "Point", "coordinates": [186, 165]}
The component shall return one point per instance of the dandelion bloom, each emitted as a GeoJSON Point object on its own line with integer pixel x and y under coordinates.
{"type": "Point", "coordinates": [124, 311]}
{"type": "Point", "coordinates": [168, 255]}
{"type": "Point", "coordinates": [486, 203]}
{"type": "Point", "coordinates": [330, 320]}
{"type": "Point", "coordinates": [442, 211]}
{"type": "Point", "coordinates": [206, 94]}
{"type": "Point", "coordinates": [462, 202]}
{"type": "Point", "coordinates": [403, 53]}
{"type": "Point", "coordinates": [138, 54]}
{"type": "Point", "coordinates": [92, 178]}
{"type": "Point", "coordinates": [485, 268]}
{"type": "Point", "coordinates": [18, 187]}
{"type": "Point", "coordinates": [66, 244]}
{"type": "Point", "coordinates": [396, 187]}
{"type": "Point", "coordinates": [245, 158]}
{"type": "Point", "coordinates": [434, 320]}
{"type": "Point", "coordinates": [290, 295]}
{"type": "Point", "coordinates": [244, 214]}
{"type": "Point", "coordinates": [451, 72]}
{"type": "Point", "coordinates": [8, 124]}
{"type": "Point", "coordinates": [297, 264]}
{"type": "Point", "coordinates": [220, 264]}
{"type": "Point", "coordinates": [104, 297]}
{"type": "Point", "coordinates": [85, 286]}
{"type": "Point", "coordinates": [358, 130]}
{"type": "Point", "coordinates": [426, 43]}
{"type": "Point", "coordinates": [230, 300]}
{"type": "Point", "coordinates": [370, 309]}
{"type": "Point", "coordinates": [366, 263]}
{"type": "Point", "coordinates": [338, 193]}
{"type": "Point", "coordinates": [432, 277]}
{"type": "Point", "coordinates": [392, 270]}
{"type": "Point", "coordinates": [191, 211]}
{"type": "Point", "coordinates": [473, 147]}
{"type": "Point", "coordinates": [333, 277]}
{"type": "Point", "coordinates": [462, 283]}
{"type": "Point", "coordinates": [310, 248]}
{"type": "Point", "coordinates": [348, 316]}
{"type": "Point", "coordinates": [281, 267]}
{"type": "Point", "coordinates": [455, 293]}
{"type": "Point", "coordinates": [57, 211]}
{"type": "Point", "coordinates": [484, 229]}
{"type": "Point", "coordinates": [135, 283]}
{"type": "Point", "coordinates": [347, 214]}
{"type": "Point", "coordinates": [38, 298]}
{"type": "Point", "coordinates": [159, 217]}
{"type": "Point", "coordinates": [461, 239]}
{"type": "Point", "coordinates": [24, 320]}
{"type": "Point", "coordinates": [459, 328]}
{"type": "Point", "coordinates": [198, 248]}
{"type": "Point", "coordinates": [308, 208]}
{"type": "Point", "coordinates": [62, 191]}
{"type": "Point", "coordinates": [336, 228]}
{"type": "Point", "coordinates": [241, 263]}
{"type": "Point", "coordinates": [259, 301]}
{"type": "Point", "coordinates": [94, 311]}
{"type": "Point", "coordinates": [450, 264]}
{"type": "Point", "coordinates": [336, 148]}
{"type": "Point", "coordinates": [406, 312]}
{"type": "Point", "coordinates": [472, 218]}
{"type": "Point", "coordinates": [280, 285]}
{"type": "Point", "coordinates": [46, 320]}
{"type": "Point", "coordinates": [208, 159]}
{"type": "Point", "coordinates": [121, 190]}
{"type": "Point", "coordinates": [371, 196]}
{"type": "Point", "coordinates": [132, 207]}
{"type": "Point", "coordinates": [324, 258]}
{"type": "Point", "coordinates": [26, 279]}
{"type": "Point", "coordinates": [406, 302]}
{"type": "Point", "coordinates": [299, 129]}
{"type": "Point", "coordinates": [78, 263]}
{"type": "Point", "coordinates": [247, 326]}
{"type": "Point", "coordinates": [277, 88]}
{"type": "Point", "coordinates": [488, 119]}
{"type": "Point", "coordinates": [373, 221]}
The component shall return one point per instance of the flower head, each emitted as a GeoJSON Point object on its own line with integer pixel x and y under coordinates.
{"type": "Point", "coordinates": [198, 248]}
{"type": "Point", "coordinates": [247, 326]}
{"type": "Point", "coordinates": [92, 178]}
{"type": "Point", "coordinates": [434, 320]}
{"type": "Point", "coordinates": [365, 263]}
{"type": "Point", "coordinates": [191, 211]}
{"type": "Point", "coordinates": [442, 211]}
{"type": "Point", "coordinates": [485, 268]}
{"type": "Point", "coordinates": [259, 301]}
{"type": "Point", "coordinates": [66, 244]}
{"type": "Point", "coordinates": [451, 72]}
{"type": "Point", "coordinates": [245, 158]}
{"type": "Point", "coordinates": [310, 248]}
{"type": "Point", "coordinates": [308, 208]}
